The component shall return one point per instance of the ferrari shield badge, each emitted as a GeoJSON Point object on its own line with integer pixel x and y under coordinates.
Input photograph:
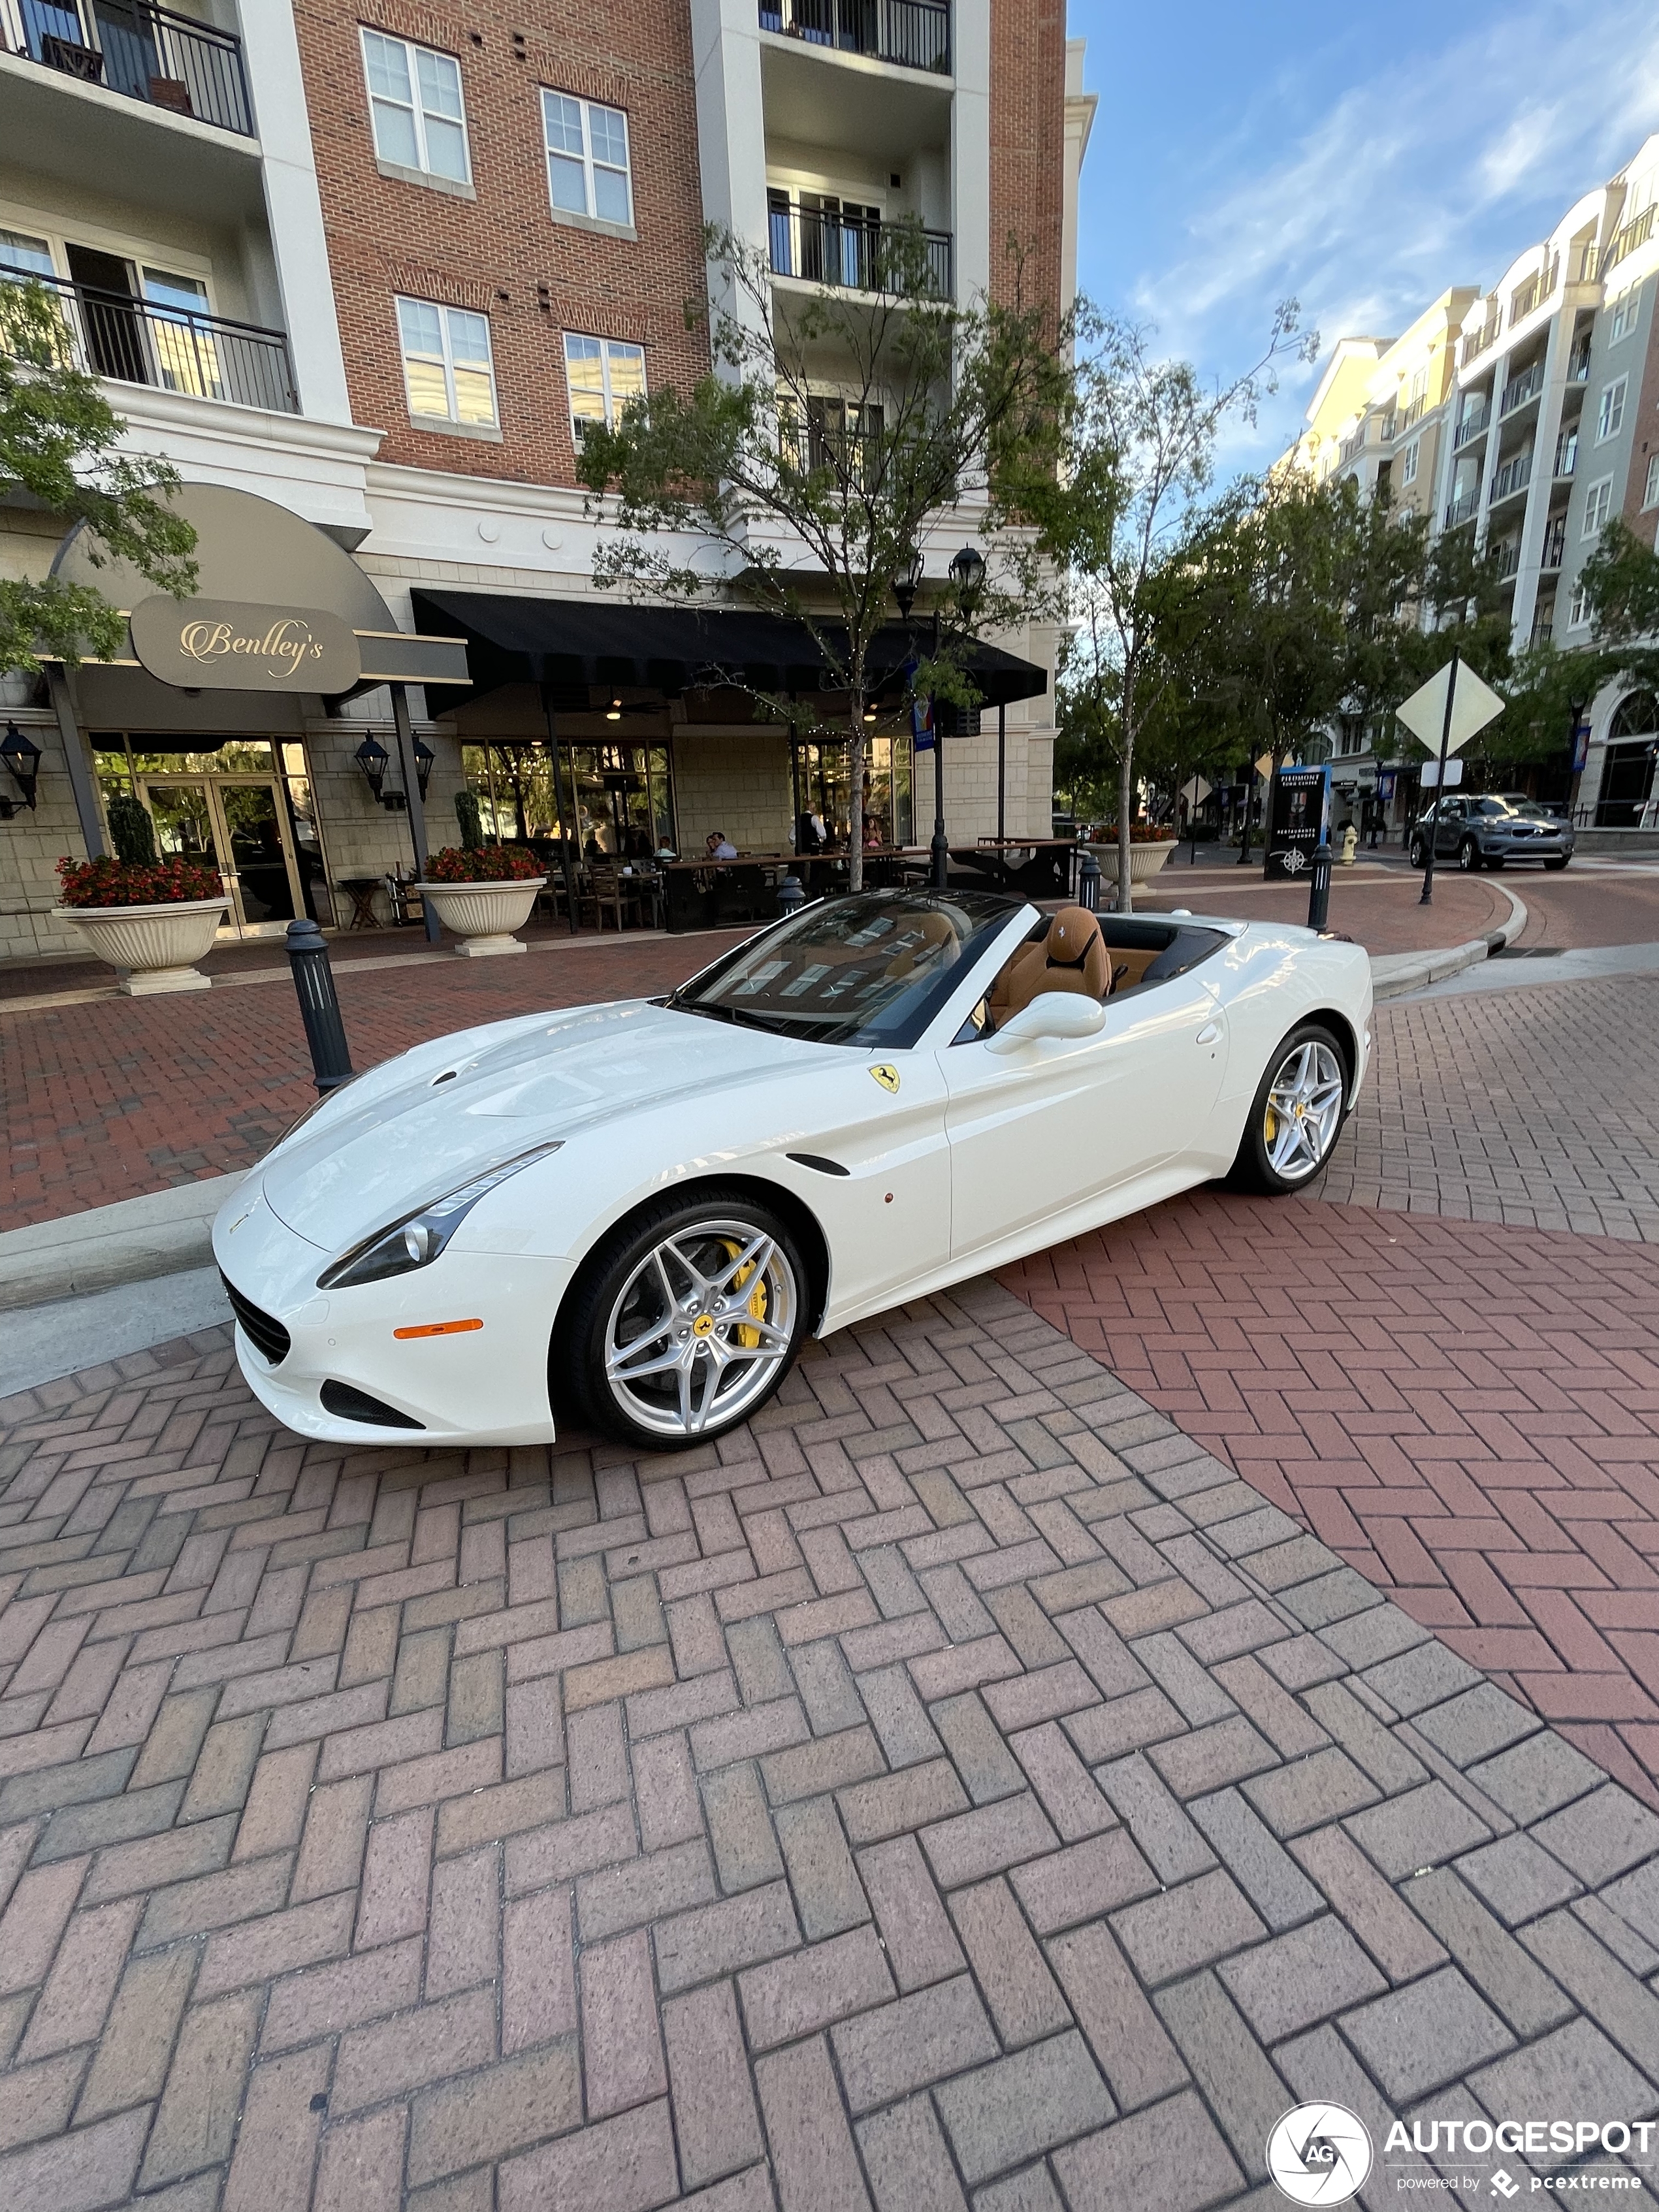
{"type": "Point", "coordinates": [886, 1075]}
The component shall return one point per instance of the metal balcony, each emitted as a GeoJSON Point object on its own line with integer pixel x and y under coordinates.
{"type": "Point", "coordinates": [1633, 234]}
{"type": "Point", "coordinates": [129, 340]}
{"type": "Point", "coordinates": [139, 50]}
{"type": "Point", "coordinates": [1515, 476]}
{"type": "Point", "coordinates": [863, 255]}
{"type": "Point", "coordinates": [1522, 388]}
{"type": "Point", "coordinates": [1462, 508]}
{"type": "Point", "coordinates": [1476, 342]}
{"type": "Point", "coordinates": [914, 34]}
{"type": "Point", "coordinates": [1473, 422]}
{"type": "Point", "coordinates": [1555, 543]}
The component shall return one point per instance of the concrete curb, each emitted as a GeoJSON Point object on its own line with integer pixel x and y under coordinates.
{"type": "Point", "coordinates": [133, 1241]}
{"type": "Point", "coordinates": [1394, 973]}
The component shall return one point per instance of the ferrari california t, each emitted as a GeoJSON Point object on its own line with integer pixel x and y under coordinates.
{"type": "Point", "coordinates": [628, 1215]}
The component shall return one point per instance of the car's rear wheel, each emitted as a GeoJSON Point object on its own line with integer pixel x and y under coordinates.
{"type": "Point", "coordinates": [1296, 1116]}
{"type": "Point", "coordinates": [1419, 854]}
{"type": "Point", "coordinates": [684, 1321]}
{"type": "Point", "coordinates": [1468, 856]}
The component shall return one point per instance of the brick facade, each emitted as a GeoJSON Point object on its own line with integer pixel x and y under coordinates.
{"type": "Point", "coordinates": [503, 253]}
{"type": "Point", "coordinates": [1028, 133]}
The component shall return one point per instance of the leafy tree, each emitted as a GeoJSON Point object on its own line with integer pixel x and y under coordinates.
{"type": "Point", "coordinates": [131, 831]}
{"type": "Point", "coordinates": [1123, 520]}
{"type": "Point", "coordinates": [818, 506]}
{"type": "Point", "coordinates": [58, 435]}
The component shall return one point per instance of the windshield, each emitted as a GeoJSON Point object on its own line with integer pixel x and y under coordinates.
{"type": "Point", "coordinates": [870, 970]}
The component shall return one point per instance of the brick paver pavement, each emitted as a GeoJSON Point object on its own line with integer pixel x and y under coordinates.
{"type": "Point", "coordinates": [958, 1785]}
{"type": "Point", "coordinates": [1535, 1107]}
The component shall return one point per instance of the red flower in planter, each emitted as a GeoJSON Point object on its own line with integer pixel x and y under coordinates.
{"type": "Point", "coordinates": [109, 882]}
{"type": "Point", "coordinates": [487, 864]}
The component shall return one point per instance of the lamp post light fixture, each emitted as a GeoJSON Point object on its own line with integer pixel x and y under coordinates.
{"type": "Point", "coordinates": [424, 758]}
{"type": "Point", "coordinates": [371, 757]}
{"type": "Point", "coordinates": [22, 757]}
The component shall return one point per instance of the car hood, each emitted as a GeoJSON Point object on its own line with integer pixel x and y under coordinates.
{"type": "Point", "coordinates": [444, 1115]}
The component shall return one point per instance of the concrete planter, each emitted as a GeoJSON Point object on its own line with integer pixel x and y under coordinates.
{"type": "Point", "coordinates": [1144, 860]}
{"type": "Point", "coordinates": [158, 945]}
{"type": "Point", "coordinates": [483, 916]}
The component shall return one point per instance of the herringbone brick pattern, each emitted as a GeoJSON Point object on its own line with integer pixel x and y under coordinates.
{"type": "Point", "coordinates": [957, 1786]}
{"type": "Point", "coordinates": [1468, 1414]}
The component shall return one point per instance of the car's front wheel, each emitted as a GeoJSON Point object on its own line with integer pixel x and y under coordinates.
{"type": "Point", "coordinates": [1468, 856]}
{"type": "Point", "coordinates": [1419, 854]}
{"type": "Point", "coordinates": [1296, 1116]}
{"type": "Point", "coordinates": [684, 1321]}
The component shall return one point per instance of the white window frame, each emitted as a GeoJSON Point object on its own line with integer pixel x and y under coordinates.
{"type": "Point", "coordinates": [1650, 494]}
{"type": "Point", "coordinates": [1610, 409]}
{"type": "Point", "coordinates": [1598, 504]}
{"type": "Point", "coordinates": [630, 346]}
{"type": "Point", "coordinates": [446, 358]}
{"type": "Point", "coordinates": [1408, 463]}
{"type": "Point", "coordinates": [415, 110]}
{"type": "Point", "coordinates": [1627, 313]}
{"type": "Point", "coordinates": [589, 212]}
{"type": "Point", "coordinates": [1577, 612]}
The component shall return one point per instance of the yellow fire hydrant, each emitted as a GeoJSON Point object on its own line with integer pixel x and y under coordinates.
{"type": "Point", "coordinates": [1350, 845]}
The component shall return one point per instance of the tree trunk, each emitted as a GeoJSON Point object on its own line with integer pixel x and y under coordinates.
{"type": "Point", "coordinates": [1125, 897]}
{"type": "Point", "coordinates": [855, 799]}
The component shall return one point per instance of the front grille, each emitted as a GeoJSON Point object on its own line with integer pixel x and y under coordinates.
{"type": "Point", "coordinates": [263, 1330]}
{"type": "Point", "coordinates": [350, 1404]}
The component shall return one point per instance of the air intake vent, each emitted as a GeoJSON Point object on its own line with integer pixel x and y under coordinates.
{"type": "Point", "coordinates": [349, 1405]}
{"type": "Point", "coordinates": [263, 1330]}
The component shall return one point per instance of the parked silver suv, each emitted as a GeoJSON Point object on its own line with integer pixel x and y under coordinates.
{"type": "Point", "coordinates": [1488, 832]}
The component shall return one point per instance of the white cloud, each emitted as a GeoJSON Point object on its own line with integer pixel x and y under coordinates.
{"type": "Point", "coordinates": [1437, 169]}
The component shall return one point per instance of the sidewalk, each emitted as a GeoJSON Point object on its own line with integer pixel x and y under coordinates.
{"type": "Point", "coordinates": [957, 1784]}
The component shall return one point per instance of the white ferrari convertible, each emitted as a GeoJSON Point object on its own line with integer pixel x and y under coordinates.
{"type": "Point", "coordinates": [627, 1216]}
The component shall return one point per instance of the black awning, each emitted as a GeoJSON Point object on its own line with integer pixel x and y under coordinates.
{"type": "Point", "coordinates": [578, 644]}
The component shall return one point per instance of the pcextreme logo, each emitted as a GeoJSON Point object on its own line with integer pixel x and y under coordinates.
{"type": "Point", "coordinates": [1319, 2154]}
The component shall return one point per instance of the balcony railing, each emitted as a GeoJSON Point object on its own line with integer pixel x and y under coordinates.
{"type": "Point", "coordinates": [1404, 418]}
{"type": "Point", "coordinates": [915, 34]}
{"type": "Point", "coordinates": [1633, 234]}
{"type": "Point", "coordinates": [1353, 444]}
{"type": "Point", "coordinates": [1473, 422]}
{"type": "Point", "coordinates": [1515, 476]}
{"type": "Point", "coordinates": [1462, 508]}
{"type": "Point", "coordinates": [1522, 388]}
{"type": "Point", "coordinates": [1508, 559]}
{"type": "Point", "coordinates": [864, 255]}
{"type": "Point", "coordinates": [1476, 342]}
{"type": "Point", "coordinates": [1578, 365]}
{"type": "Point", "coordinates": [1538, 286]}
{"type": "Point", "coordinates": [1566, 452]}
{"type": "Point", "coordinates": [113, 334]}
{"type": "Point", "coordinates": [1555, 543]}
{"type": "Point", "coordinates": [135, 48]}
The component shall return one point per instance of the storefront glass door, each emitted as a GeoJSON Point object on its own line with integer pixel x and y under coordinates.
{"type": "Point", "coordinates": [238, 825]}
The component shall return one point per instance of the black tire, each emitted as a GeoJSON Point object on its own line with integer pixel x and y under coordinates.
{"type": "Point", "coordinates": [1418, 856]}
{"type": "Point", "coordinates": [1555, 867]}
{"type": "Point", "coordinates": [1468, 856]}
{"type": "Point", "coordinates": [1254, 1167]}
{"type": "Point", "coordinates": [619, 1293]}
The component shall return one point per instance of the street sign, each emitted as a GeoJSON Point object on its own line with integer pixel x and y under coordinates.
{"type": "Point", "coordinates": [1302, 812]}
{"type": "Point", "coordinates": [1430, 778]}
{"type": "Point", "coordinates": [1474, 705]}
{"type": "Point", "coordinates": [1581, 734]}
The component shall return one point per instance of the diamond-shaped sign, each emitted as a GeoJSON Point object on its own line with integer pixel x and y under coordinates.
{"type": "Point", "coordinates": [1474, 705]}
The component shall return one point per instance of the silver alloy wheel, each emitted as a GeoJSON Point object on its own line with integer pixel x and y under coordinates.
{"type": "Point", "coordinates": [1304, 1110]}
{"type": "Point", "coordinates": [702, 1326]}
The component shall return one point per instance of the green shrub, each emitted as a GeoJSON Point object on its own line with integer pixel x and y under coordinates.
{"type": "Point", "coordinates": [131, 831]}
{"type": "Point", "coordinates": [470, 821]}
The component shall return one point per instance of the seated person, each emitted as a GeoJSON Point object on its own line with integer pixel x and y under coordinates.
{"type": "Point", "coordinates": [718, 846]}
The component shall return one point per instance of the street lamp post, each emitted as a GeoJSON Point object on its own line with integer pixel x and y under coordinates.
{"type": "Point", "coordinates": [967, 574]}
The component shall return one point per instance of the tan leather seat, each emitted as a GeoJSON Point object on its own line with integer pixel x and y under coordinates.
{"type": "Point", "coordinates": [1070, 957]}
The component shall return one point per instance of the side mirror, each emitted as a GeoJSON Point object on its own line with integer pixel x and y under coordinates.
{"type": "Point", "coordinates": [1050, 1014]}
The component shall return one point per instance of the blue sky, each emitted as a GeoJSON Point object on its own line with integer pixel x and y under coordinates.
{"type": "Point", "coordinates": [1361, 161]}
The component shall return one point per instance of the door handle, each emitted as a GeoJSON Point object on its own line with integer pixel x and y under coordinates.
{"type": "Point", "coordinates": [1208, 1033]}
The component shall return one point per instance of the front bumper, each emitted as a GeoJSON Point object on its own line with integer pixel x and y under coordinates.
{"type": "Point", "coordinates": [484, 1385]}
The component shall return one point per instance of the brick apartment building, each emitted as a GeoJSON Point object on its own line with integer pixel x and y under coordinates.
{"type": "Point", "coordinates": [376, 266]}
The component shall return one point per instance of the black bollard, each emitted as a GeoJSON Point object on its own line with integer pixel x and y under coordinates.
{"type": "Point", "coordinates": [1088, 881]}
{"type": "Point", "coordinates": [1319, 889]}
{"type": "Point", "coordinates": [319, 1008]}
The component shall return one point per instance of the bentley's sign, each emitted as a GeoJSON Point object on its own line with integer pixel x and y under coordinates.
{"type": "Point", "coordinates": [230, 645]}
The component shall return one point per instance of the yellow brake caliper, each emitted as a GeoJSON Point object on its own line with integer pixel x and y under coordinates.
{"type": "Point", "coordinates": [747, 1337]}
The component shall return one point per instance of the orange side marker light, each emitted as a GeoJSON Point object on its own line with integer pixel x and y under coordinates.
{"type": "Point", "coordinates": [438, 1329]}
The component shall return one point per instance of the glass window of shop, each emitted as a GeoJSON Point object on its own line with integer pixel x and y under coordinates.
{"type": "Point", "coordinates": [248, 807]}
{"type": "Point", "coordinates": [619, 798]}
{"type": "Point", "coordinates": [824, 785]}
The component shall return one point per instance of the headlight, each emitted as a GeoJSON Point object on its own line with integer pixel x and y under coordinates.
{"type": "Point", "coordinates": [417, 1238]}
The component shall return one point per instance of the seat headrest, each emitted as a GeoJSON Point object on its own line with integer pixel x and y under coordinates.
{"type": "Point", "coordinates": [1070, 932]}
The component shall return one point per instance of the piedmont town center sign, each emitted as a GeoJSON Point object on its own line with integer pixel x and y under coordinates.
{"type": "Point", "coordinates": [236, 645]}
